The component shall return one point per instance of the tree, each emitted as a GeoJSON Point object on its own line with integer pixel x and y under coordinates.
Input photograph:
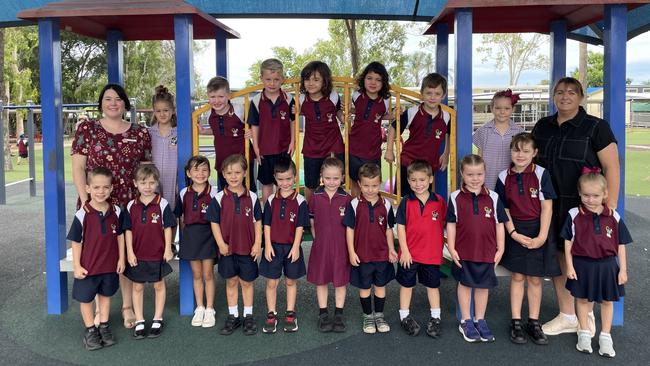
{"type": "Point", "coordinates": [595, 65]}
{"type": "Point", "coordinates": [515, 51]}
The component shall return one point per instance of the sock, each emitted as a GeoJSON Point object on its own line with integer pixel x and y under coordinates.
{"type": "Point", "coordinates": [379, 304]}
{"type": "Point", "coordinates": [605, 335]}
{"type": "Point", "coordinates": [338, 311]}
{"type": "Point", "coordinates": [403, 314]}
{"type": "Point", "coordinates": [232, 310]}
{"type": "Point", "coordinates": [435, 313]}
{"type": "Point", "coordinates": [322, 311]}
{"type": "Point", "coordinates": [366, 305]}
{"type": "Point", "coordinates": [103, 325]}
{"type": "Point", "coordinates": [139, 325]}
{"type": "Point", "coordinates": [156, 325]}
{"type": "Point", "coordinates": [572, 318]}
{"type": "Point", "coordinates": [248, 310]}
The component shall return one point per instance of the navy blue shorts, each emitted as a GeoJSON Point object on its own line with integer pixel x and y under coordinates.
{"type": "Point", "coordinates": [235, 265]}
{"type": "Point", "coordinates": [356, 163]}
{"type": "Point", "coordinates": [367, 274]}
{"type": "Point", "coordinates": [312, 170]}
{"type": "Point", "coordinates": [105, 284]}
{"type": "Point", "coordinates": [265, 171]}
{"type": "Point", "coordinates": [475, 274]}
{"type": "Point", "coordinates": [427, 274]}
{"type": "Point", "coordinates": [281, 262]}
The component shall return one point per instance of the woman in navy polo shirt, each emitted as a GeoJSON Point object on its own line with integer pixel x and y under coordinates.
{"type": "Point", "coordinates": [568, 141]}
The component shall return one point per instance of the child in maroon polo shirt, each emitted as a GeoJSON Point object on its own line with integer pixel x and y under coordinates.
{"type": "Point", "coordinates": [285, 217]}
{"type": "Point", "coordinates": [420, 230]}
{"type": "Point", "coordinates": [236, 219]}
{"type": "Point", "coordinates": [270, 119]}
{"type": "Point", "coordinates": [595, 238]}
{"type": "Point", "coordinates": [98, 256]}
{"type": "Point", "coordinates": [148, 223]}
{"type": "Point", "coordinates": [369, 220]}
{"type": "Point", "coordinates": [428, 127]}
{"type": "Point", "coordinates": [23, 153]}
{"type": "Point", "coordinates": [475, 239]}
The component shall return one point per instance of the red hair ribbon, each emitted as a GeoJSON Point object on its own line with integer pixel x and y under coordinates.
{"type": "Point", "coordinates": [514, 98]}
{"type": "Point", "coordinates": [592, 170]}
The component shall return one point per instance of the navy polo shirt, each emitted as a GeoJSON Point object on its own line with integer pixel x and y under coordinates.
{"type": "Point", "coordinates": [322, 132]}
{"type": "Point", "coordinates": [194, 205]}
{"type": "Point", "coordinates": [274, 122]}
{"type": "Point", "coordinates": [228, 132]}
{"type": "Point", "coordinates": [424, 225]}
{"type": "Point", "coordinates": [593, 235]}
{"type": "Point", "coordinates": [476, 218]}
{"type": "Point", "coordinates": [147, 224]}
{"type": "Point", "coordinates": [370, 223]}
{"type": "Point", "coordinates": [97, 232]}
{"type": "Point", "coordinates": [522, 193]}
{"type": "Point", "coordinates": [284, 215]}
{"type": "Point", "coordinates": [236, 216]}
{"type": "Point", "coordinates": [365, 134]}
{"type": "Point", "coordinates": [426, 135]}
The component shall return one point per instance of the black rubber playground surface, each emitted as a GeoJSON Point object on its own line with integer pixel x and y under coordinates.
{"type": "Point", "coordinates": [28, 336]}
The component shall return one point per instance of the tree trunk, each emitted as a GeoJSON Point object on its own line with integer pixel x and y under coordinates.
{"type": "Point", "coordinates": [582, 68]}
{"type": "Point", "coordinates": [350, 25]}
{"type": "Point", "coordinates": [7, 164]}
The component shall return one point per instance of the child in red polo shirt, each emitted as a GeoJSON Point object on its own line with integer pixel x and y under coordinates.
{"type": "Point", "coordinates": [369, 220]}
{"type": "Point", "coordinates": [98, 256]}
{"type": "Point", "coordinates": [595, 238]}
{"type": "Point", "coordinates": [236, 219]}
{"type": "Point", "coordinates": [420, 230]}
{"type": "Point", "coordinates": [285, 217]}
{"type": "Point", "coordinates": [197, 243]}
{"type": "Point", "coordinates": [270, 119]}
{"type": "Point", "coordinates": [527, 195]}
{"type": "Point", "coordinates": [148, 223]}
{"type": "Point", "coordinates": [428, 127]}
{"type": "Point", "coordinates": [23, 153]}
{"type": "Point", "coordinates": [328, 259]}
{"type": "Point", "coordinates": [475, 239]}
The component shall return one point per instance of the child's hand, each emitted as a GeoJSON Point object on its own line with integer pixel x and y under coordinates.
{"type": "Point", "coordinates": [390, 116]}
{"type": "Point", "coordinates": [224, 249]}
{"type": "Point", "coordinates": [120, 266]}
{"type": "Point", "coordinates": [133, 261]}
{"type": "Point", "coordinates": [497, 256]}
{"type": "Point", "coordinates": [248, 134]}
{"type": "Point", "coordinates": [443, 160]}
{"type": "Point", "coordinates": [269, 253]}
{"type": "Point", "coordinates": [571, 273]}
{"type": "Point", "coordinates": [256, 251]}
{"type": "Point", "coordinates": [169, 255]}
{"type": "Point", "coordinates": [80, 273]}
{"type": "Point", "coordinates": [258, 157]}
{"type": "Point", "coordinates": [354, 259]}
{"type": "Point", "coordinates": [389, 156]}
{"type": "Point", "coordinates": [293, 109]}
{"type": "Point", "coordinates": [405, 259]}
{"type": "Point", "coordinates": [294, 254]}
{"type": "Point", "coordinates": [622, 277]}
{"type": "Point", "coordinates": [455, 257]}
{"type": "Point", "coordinates": [392, 256]}
{"type": "Point", "coordinates": [536, 242]}
{"type": "Point", "coordinates": [292, 146]}
{"type": "Point", "coordinates": [521, 239]}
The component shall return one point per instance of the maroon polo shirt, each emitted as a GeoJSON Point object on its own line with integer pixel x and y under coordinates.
{"type": "Point", "coordinates": [424, 224]}
{"type": "Point", "coordinates": [97, 232]}
{"type": "Point", "coordinates": [147, 224]}
{"type": "Point", "coordinates": [426, 135]}
{"type": "Point", "coordinates": [274, 122]}
{"type": "Point", "coordinates": [284, 215]}
{"type": "Point", "coordinates": [476, 218]}
{"type": "Point", "coordinates": [595, 236]}
{"type": "Point", "coordinates": [228, 132]}
{"type": "Point", "coordinates": [322, 132]}
{"type": "Point", "coordinates": [328, 214]}
{"type": "Point", "coordinates": [370, 223]}
{"type": "Point", "coordinates": [522, 193]}
{"type": "Point", "coordinates": [194, 205]}
{"type": "Point", "coordinates": [365, 134]}
{"type": "Point", "coordinates": [236, 216]}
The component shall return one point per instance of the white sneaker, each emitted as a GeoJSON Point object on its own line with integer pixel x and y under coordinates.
{"type": "Point", "coordinates": [560, 324]}
{"type": "Point", "coordinates": [208, 318]}
{"type": "Point", "coordinates": [606, 346]}
{"type": "Point", "coordinates": [591, 323]}
{"type": "Point", "coordinates": [369, 324]}
{"type": "Point", "coordinates": [381, 324]}
{"type": "Point", "coordinates": [197, 319]}
{"type": "Point", "coordinates": [584, 341]}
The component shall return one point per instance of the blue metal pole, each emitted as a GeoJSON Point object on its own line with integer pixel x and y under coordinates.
{"type": "Point", "coordinates": [615, 39]}
{"type": "Point", "coordinates": [32, 158]}
{"type": "Point", "coordinates": [49, 49]}
{"type": "Point", "coordinates": [442, 68]}
{"type": "Point", "coordinates": [221, 47]}
{"type": "Point", "coordinates": [183, 34]}
{"type": "Point", "coordinates": [558, 58]}
{"type": "Point", "coordinates": [3, 189]}
{"type": "Point", "coordinates": [115, 56]}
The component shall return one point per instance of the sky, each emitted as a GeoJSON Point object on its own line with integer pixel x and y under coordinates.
{"type": "Point", "coordinates": [301, 34]}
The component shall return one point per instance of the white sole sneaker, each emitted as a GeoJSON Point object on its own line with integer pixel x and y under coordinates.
{"type": "Point", "coordinates": [197, 319]}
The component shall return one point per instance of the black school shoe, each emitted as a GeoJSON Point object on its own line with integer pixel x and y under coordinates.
{"type": "Point", "coordinates": [517, 334]}
{"type": "Point", "coordinates": [139, 333]}
{"type": "Point", "coordinates": [250, 325]}
{"type": "Point", "coordinates": [232, 323]}
{"type": "Point", "coordinates": [535, 332]}
{"type": "Point", "coordinates": [410, 326]}
{"type": "Point", "coordinates": [156, 332]}
{"type": "Point", "coordinates": [339, 325]}
{"type": "Point", "coordinates": [92, 340]}
{"type": "Point", "coordinates": [106, 335]}
{"type": "Point", "coordinates": [433, 328]}
{"type": "Point", "coordinates": [325, 323]}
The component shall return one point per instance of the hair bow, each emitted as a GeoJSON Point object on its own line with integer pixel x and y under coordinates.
{"type": "Point", "coordinates": [514, 98]}
{"type": "Point", "coordinates": [592, 170]}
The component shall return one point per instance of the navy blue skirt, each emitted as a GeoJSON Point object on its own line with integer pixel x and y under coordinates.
{"type": "Point", "coordinates": [475, 274]}
{"type": "Point", "coordinates": [597, 279]}
{"type": "Point", "coordinates": [539, 262]}
{"type": "Point", "coordinates": [197, 242]}
{"type": "Point", "coordinates": [147, 271]}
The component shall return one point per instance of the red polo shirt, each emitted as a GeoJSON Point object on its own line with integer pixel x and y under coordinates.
{"type": "Point", "coordinates": [284, 215]}
{"type": "Point", "coordinates": [522, 193]}
{"type": "Point", "coordinates": [426, 135]}
{"type": "Point", "coordinates": [322, 132]}
{"type": "Point", "coordinates": [274, 121]}
{"type": "Point", "coordinates": [365, 134]}
{"type": "Point", "coordinates": [194, 205]}
{"type": "Point", "coordinates": [425, 225]}
{"type": "Point", "coordinates": [370, 223]}
{"type": "Point", "coordinates": [147, 224]}
{"type": "Point", "coordinates": [236, 216]}
{"type": "Point", "coordinates": [228, 132]}
{"type": "Point", "coordinates": [595, 236]}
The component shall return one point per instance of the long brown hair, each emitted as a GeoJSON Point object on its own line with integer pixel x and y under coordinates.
{"type": "Point", "coordinates": [163, 95]}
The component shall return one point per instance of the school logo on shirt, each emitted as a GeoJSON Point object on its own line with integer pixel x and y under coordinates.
{"type": "Point", "coordinates": [434, 215]}
{"type": "Point", "coordinates": [342, 210]}
{"type": "Point", "coordinates": [330, 117]}
{"type": "Point", "coordinates": [377, 117]}
{"type": "Point", "coordinates": [438, 133]}
{"type": "Point", "coordinates": [533, 192]}
{"type": "Point", "coordinates": [173, 141]}
{"type": "Point", "coordinates": [292, 216]}
{"type": "Point", "coordinates": [609, 231]}
{"type": "Point", "coordinates": [234, 132]}
{"type": "Point", "coordinates": [381, 220]}
{"type": "Point", "coordinates": [283, 114]}
{"type": "Point", "coordinates": [154, 218]}
{"type": "Point", "coordinates": [204, 208]}
{"type": "Point", "coordinates": [114, 227]}
{"type": "Point", "coordinates": [248, 211]}
{"type": "Point", "coordinates": [488, 211]}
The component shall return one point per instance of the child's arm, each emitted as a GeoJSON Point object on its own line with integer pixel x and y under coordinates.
{"type": "Point", "coordinates": [444, 158]}
{"type": "Point", "coordinates": [349, 238]}
{"type": "Point", "coordinates": [390, 239]}
{"type": "Point", "coordinates": [501, 239]}
{"type": "Point", "coordinates": [130, 255]}
{"type": "Point", "coordinates": [256, 139]}
{"type": "Point", "coordinates": [256, 250]}
{"type": "Point", "coordinates": [203, 130]}
{"type": "Point", "coordinates": [79, 272]}
{"type": "Point", "coordinates": [405, 258]}
{"type": "Point", "coordinates": [313, 230]}
{"type": "Point", "coordinates": [224, 248]}
{"type": "Point", "coordinates": [510, 228]}
{"type": "Point", "coordinates": [292, 144]}
{"type": "Point", "coordinates": [389, 156]}
{"type": "Point", "coordinates": [451, 242]}
{"type": "Point", "coordinates": [570, 271]}
{"type": "Point", "coordinates": [120, 261]}
{"type": "Point", "coordinates": [622, 264]}
{"type": "Point", "coordinates": [169, 255]}
{"type": "Point", "coordinates": [545, 224]}
{"type": "Point", "coordinates": [294, 254]}
{"type": "Point", "coordinates": [269, 253]}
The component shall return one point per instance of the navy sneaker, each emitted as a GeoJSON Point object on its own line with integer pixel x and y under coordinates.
{"type": "Point", "coordinates": [92, 339]}
{"type": "Point", "coordinates": [106, 335]}
{"type": "Point", "coordinates": [410, 326]}
{"type": "Point", "coordinates": [484, 332]}
{"type": "Point", "coordinates": [469, 331]}
{"type": "Point", "coordinates": [232, 323]}
{"type": "Point", "coordinates": [250, 326]}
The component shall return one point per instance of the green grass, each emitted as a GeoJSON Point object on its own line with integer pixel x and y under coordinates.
{"type": "Point", "coordinates": [637, 136]}
{"type": "Point", "coordinates": [22, 171]}
{"type": "Point", "coordinates": [637, 173]}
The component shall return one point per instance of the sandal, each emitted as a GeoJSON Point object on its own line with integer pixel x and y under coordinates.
{"type": "Point", "coordinates": [128, 322]}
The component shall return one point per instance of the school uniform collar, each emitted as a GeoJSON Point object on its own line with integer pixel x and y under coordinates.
{"type": "Point", "coordinates": [484, 190]}
{"type": "Point", "coordinates": [585, 211]}
{"type": "Point", "coordinates": [529, 169]}
{"type": "Point", "coordinates": [154, 201]}
{"type": "Point", "coordinates": [376, 100]}
{"type": "Point", "coordinates": [380, 200]}
{"type": "Point", "coordinates": [310, 99]}
{"type": "Point", "coordinates": [493, 125]}
{"type": "Point", "coordinates": [575, 121]}
{"type": "Point", "coordinates": [339, 191]}
{"type": "Point", "coordinates": [432, 196]}
{"type": "Point", "coordinates": [206, 190]}
{"type": "Point", "coordinates": [292, 196]}
{"type": "Point", "coordinates": [229, 112]}
{"type": "Point", "coordinates": [228, 192]}
{"type": "Point", "coordinates": [281, 97]}
{"type": "Point", "coordinates": [91, 210]}
{"type": "Point", "coordinates": [424, 112]}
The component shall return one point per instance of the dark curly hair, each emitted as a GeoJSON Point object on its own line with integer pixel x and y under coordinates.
{"type": "Point", "coordinates": [380, 69]}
